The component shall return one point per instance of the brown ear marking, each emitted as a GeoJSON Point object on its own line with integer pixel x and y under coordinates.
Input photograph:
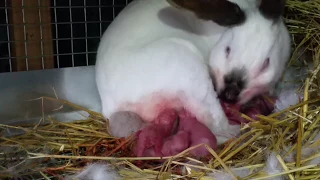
{"type": "Point", "coordinates": [272, 9]}
{"type": "Point", "coordinates": [222, 12]}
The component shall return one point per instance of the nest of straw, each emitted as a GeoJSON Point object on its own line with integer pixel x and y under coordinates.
{"type": "Point", "coordinates": [56, 149]}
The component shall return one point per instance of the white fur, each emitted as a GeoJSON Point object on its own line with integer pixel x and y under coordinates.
{"type": "Point", "coordinates": [273, 166]}
{"type": "Point", "coordinates": [250, 45]}
{"type": "Point", "coordinates": [149, 48]}
{"type": "Point", "coordinates": [221, 175]}
{"type": "Point", "coordinates": [306, 152]}
{"type": "Point", "coordinates": [293, 78]}
{"type": "Point", "coordinates": [97, 172]}
{"type": "Point", "coordinates": [287, 98]}
{"type": "Point", "coordinates": [152, 48]}
{"type": "Point", "coordinates": [311, 151]}
{"type": "Point", "coordinates": [226, 176]}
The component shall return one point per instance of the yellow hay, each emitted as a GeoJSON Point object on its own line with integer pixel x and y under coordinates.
{"type": "Point", "coordinates": [56, 149]}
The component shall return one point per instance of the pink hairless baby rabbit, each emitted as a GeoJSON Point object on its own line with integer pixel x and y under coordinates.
{"type": "Point", "coordinates": [157, 60]}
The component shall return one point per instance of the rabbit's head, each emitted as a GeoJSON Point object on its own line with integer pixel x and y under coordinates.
{"type": "Point", "coordinates": [250, 56]}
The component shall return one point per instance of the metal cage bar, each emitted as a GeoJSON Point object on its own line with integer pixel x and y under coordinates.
{"type": "Point", "coordinates": [8, 35]}
{"type": "Point", "coordinates": [76, 29]}
{"type": "Point", "coordinates": [86, 31]}
{"type": "Point", "coordinates": [57, 35]}
{"type": "Point", "coordinates": [25, 35]}
{"type": "Point", "coordinates": [41, 36]}
{"type": "Point", "coordinates": [71, 33]}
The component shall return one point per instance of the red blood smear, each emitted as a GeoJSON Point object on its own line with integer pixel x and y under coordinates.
{"type": "Point", "coordinates": [199, 133]}
{"type": "Point", "coordinates": [232, 111]}
{"type": "Point", "coordinates": [151, 138]}
{"type": "Point", "coordinates": [176, 143]}
{"type": "Point", "coordinates": [157, 138]}
{"type": "Point", "coordinates": [258, 106]}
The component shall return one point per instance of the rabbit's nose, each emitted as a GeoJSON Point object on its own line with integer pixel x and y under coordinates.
{"type": "Point", "coordinates": [230, 94]}
{"type": "Point", "coordinates": [233, 86]}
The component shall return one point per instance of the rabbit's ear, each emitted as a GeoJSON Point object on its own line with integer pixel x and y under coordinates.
{"type": "Point", "coordinates": [222, 12]}
{"type": "Point", "coordinates": [272, 9]}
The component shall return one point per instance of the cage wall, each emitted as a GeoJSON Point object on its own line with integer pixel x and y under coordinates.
{"type": "Point", "coordinates": [47, 34]}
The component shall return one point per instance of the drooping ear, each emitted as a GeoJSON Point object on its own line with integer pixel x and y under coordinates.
{"type": "Point", "coordinates": [272, 9]}
{"type": "Point", "coordinates": [222, 12]}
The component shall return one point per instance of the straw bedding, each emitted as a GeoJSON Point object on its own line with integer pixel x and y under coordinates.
{"type": "Point", "coordinates": [283, 145]}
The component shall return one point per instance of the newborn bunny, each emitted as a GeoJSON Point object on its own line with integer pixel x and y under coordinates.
{"type": "Point", "coordinates": [152, 68]}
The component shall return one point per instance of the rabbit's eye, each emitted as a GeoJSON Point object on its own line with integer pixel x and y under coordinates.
{"type": "Point", "coordinates": [265, 64]}
{"type": "Point", "coordinates": [228, 50]}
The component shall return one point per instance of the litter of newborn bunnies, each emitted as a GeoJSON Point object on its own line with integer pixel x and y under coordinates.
{"type": "Point", "coordinates": [282, 145]}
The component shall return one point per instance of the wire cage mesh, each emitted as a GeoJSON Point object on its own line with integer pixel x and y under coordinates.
{"type": "Point", "coordinates": [46, 34]}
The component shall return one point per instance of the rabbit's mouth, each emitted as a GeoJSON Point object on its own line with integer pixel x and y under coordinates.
{"type": "Point", "coordinates": [230, 86]}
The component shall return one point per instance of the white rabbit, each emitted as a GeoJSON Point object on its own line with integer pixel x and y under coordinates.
{"type": "Point", "coordinates": [155, 56]}
{"type": "Point", "coordinates": [248, 60]}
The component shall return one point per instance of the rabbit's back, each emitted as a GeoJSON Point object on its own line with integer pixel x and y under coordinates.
{"type": "Point", "coordinates": [170, 68]}
{"type": "Point", "coordinates": [147, 63]}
